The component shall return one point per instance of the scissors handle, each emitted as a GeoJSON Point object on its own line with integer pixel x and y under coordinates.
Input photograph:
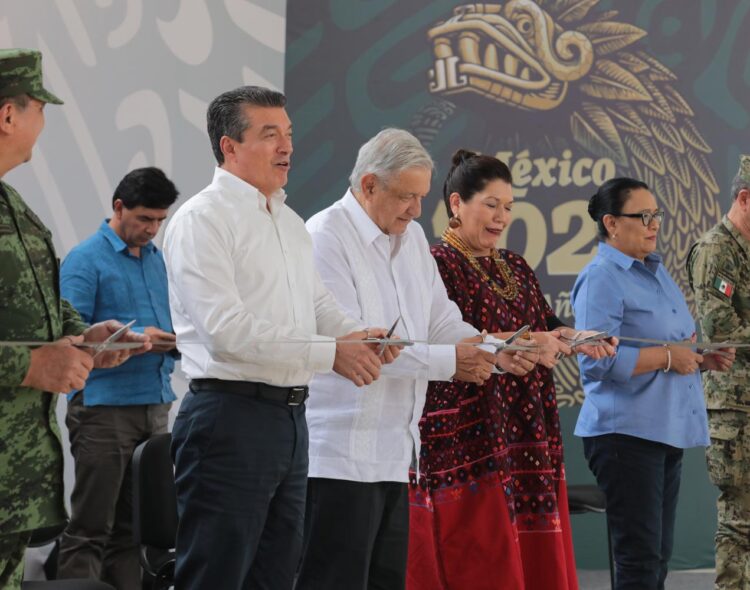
{"type": "Point", "coordinates": [116, 335]}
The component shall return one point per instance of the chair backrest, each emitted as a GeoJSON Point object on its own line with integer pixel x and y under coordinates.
{"type": "Point", "coordinates": [154, 496]}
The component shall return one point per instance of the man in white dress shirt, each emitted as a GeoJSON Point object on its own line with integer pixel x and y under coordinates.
{"type": "Point", "coordinates": [253, 323]}
{"type": "Point", "coordinates": [378, 265]}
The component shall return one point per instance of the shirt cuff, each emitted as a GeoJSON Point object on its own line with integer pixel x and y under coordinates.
{"type": "Point", "coordinates": [624, 365]}
{"type": "Point", "coordinates": [442, 362]}
{"type": "Point", "coordinates": [322, 356]}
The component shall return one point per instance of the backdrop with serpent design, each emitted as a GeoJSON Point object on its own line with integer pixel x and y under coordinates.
{"type": "Point", "coordinates": [568, 93]}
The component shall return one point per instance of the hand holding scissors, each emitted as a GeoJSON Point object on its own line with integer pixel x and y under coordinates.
{"type": "Point", "coordinates": [381, 348]}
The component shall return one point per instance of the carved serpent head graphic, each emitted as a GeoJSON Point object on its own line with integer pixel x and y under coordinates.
{"type": "Point", "coordinates": [532, 55]}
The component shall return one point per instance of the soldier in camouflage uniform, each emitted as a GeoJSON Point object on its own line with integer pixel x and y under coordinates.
{"type": "Point", "coordinates": [719, 271]}
{"type": "Point", "coordinates": [31, 464]}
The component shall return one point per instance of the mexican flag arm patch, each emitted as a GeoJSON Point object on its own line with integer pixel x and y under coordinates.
{"type": "Point", "coordinates": [723, 286]}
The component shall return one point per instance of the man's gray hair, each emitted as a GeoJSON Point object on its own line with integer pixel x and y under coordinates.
{"type": "Point", "coordinates": [738, 183]}
{"type": "Point", "coordinates": [388, 153]}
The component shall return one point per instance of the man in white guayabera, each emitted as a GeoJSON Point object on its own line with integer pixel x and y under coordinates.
{"type": "Point", "coordinates": [253, 323]}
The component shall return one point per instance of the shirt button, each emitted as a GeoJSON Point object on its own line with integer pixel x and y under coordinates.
{"type": "Point", "coordinates": [674, 311]}
{"type": "Point", "coordinates": [695, 412]}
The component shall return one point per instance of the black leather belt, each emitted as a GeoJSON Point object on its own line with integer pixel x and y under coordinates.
{"type": "Point", "coordinates": [291, 396]}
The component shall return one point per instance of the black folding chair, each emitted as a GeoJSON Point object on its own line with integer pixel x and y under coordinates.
{"type": "Point", "coordinates": [155, 509]}
{"type": "Point", "coordinates": [589, 498]}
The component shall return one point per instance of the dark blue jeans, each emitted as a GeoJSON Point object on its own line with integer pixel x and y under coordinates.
{"type": "Point", "coordinates": [641, 480]}
{"type": "Point", "coordinates": [241, 476]}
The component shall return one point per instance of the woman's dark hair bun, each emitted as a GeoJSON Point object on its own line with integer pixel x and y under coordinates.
{"type": "Point", "coordinates": [594, 207]}
{"type": "Point", "coordinates": [470, 172]}
{"type": "Point", "coordinates": [460, 156]}
{"type": "Point", "coordinates": [610, 198]}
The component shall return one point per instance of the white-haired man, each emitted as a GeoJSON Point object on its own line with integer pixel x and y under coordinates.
{"type": "Point", "coordinates": [378, 265]}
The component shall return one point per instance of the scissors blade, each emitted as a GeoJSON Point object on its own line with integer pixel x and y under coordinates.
{"type": "Point", "coordinates": [112, 338]}
{"type": "Point", "coordinates": [599, 336]}
{"type": "Point", "coordinates": [513, 337]}
{"type": "Point", "coordinates": [507, 344]}
{"type": "Point", "coordinates": [381, 348]}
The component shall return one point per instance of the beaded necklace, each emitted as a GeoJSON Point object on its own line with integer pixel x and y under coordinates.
{"type": "Point", "coordinates": [510, 290]}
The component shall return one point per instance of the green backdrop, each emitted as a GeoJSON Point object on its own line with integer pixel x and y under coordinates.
{"type": "Point", "coordinates": [656, 89]}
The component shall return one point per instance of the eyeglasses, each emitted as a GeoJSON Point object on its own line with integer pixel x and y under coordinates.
{"type": "Point", "coordinates": [645, 217]}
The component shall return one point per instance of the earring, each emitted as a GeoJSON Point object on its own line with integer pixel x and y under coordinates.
{"type": "Point", "coordinates": [454, 222]}
{"type": "Point", "coordinates": [614, 236]}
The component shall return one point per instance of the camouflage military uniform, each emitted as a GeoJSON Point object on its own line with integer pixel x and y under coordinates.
{"type": "Point", "coordinates": [31, 463]}
{"type": "Point", "coordinates": [719, 270]}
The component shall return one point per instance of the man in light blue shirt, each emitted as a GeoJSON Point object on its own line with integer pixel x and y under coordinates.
{"type": "Point", "coordinates": [118, 273]}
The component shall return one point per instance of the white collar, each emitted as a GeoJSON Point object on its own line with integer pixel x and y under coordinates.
{"type": "Point", "coordinates": [366, 227]}
{"type": "Point", "coordinates": [236, 186]}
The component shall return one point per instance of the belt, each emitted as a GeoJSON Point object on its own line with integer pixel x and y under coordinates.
{"type": "Point", "coordinates": [291, 396]}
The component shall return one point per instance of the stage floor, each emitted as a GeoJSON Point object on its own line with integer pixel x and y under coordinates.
{"type": "Point", "coordinates": [676, 580]}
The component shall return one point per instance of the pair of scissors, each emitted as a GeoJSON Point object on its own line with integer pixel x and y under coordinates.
{"type": "Point", "coordinates": [114, 337]}
{"type": "Point", "coordinates": [507, 344]}
{"type": "Point", "coordinates": [384, 343]}
{"type": "Point", "coordinates": [591, 339]}
{"type": "Point", "coordinates": [596, 337]}
{"type": "Point", "coordinates": [513, 337]}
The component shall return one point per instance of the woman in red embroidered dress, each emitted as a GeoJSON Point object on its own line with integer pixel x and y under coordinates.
{"type": "Point", "coordinates": [490, 508]}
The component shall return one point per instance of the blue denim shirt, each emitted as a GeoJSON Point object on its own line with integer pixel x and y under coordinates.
{"type": "Point", "coordinates": [104, 281]}
{"type": "Point", "coordinates": [626, 297]}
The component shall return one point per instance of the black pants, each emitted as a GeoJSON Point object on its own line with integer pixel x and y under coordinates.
{"type": "Point", "coordinates": [98, 541]}
{"type": "Point", "coordinates": [641, 480]}
{"type": "Point", "coordinates": [241, 477]}
{"type": "Point", "coordinates": [356, 536]}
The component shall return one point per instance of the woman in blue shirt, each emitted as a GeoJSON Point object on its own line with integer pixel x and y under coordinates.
{"type": "Point", "coordinates": [644, 405]}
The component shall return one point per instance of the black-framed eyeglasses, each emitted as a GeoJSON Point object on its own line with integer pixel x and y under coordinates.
{"type": "Point", "coordinates": [645, 217]}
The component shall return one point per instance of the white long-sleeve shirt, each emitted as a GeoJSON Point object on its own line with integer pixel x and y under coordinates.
{"type": "Point", "coordinates": [241, 279]}
{"type": "Point", "coordinates": [371, 433]}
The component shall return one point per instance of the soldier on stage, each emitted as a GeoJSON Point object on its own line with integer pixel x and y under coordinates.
{"type": "Point", "coordinates": [719, 270]}
{"type": "Point", "coordinates": [31, 463]}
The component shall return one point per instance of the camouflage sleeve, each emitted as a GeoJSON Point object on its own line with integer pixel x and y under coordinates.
{"type": "Point", "coordinates": [710, 266]}
{"type": "Point", "coordinates": [72, 322]}
{"type": "Point", "coordinates": [14, 364]}
{"type": "Point", "coordinates": [14, 360]}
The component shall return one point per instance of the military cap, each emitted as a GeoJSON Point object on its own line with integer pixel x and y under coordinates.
{"type": "Point", "coordinates": [744, 171]}
{"type": "Point", "coordinates": [21, 73]}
